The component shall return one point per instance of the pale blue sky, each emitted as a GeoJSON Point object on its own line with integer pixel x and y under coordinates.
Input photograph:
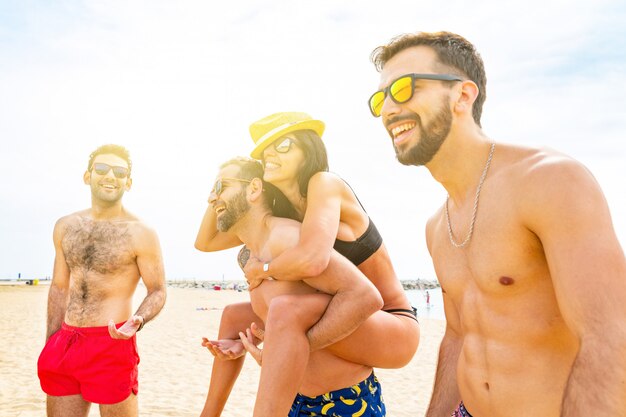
{"type": "Point", "coordinates": [178, 83]}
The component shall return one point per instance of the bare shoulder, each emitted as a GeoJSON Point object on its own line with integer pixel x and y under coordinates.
{"type": "Point", "coordinates": [143, 235]}
{"type": "Point", "coordinates": [546, 173]}
{"type": "Point", "coordinates": [326, 181]}
{"type": "Point", "coordinates": [331, 185]}
{"type": "Point", "coordinates": [63, 223]}
{"type": "Point", "coordinates": [285, 234]}
{"type": "Point", "coordinates": [530, 165]}
{"type": "Point", "coordinates": [549, 183]}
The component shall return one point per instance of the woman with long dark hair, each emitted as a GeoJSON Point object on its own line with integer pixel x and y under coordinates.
{"type": "Point", "coordinates": [295, 162]}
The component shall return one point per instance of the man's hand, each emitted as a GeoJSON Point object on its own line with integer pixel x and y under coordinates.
{"type": "Point", "coordinates": [254, 272]}
{"type": "Point", "coordinates": [127, 330]}
{"type": "Point", "coordinates": [251, 339]}
{"type": "Point", "coordinates": [225, 349]}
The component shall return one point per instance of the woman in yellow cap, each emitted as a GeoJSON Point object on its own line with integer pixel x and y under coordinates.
{"type": "Point", "coordinates": [295, 161]}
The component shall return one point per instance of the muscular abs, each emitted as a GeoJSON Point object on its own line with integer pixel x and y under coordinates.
{"type": "Point", "coordinates": [103, 271]}
{"type": "Point", "coordinates": [517, 351]}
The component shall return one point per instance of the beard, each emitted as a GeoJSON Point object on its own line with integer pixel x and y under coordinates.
{"type": "Point", "coordinates": [236, 208]}
{"type": "Point", "coordinates": [431, 137]}
{"type": "Point", "coordinates": [105, 197]}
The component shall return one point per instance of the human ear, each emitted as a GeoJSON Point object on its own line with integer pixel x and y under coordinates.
{"type": "Point", "coordinates": [255, 189]}
{"type": "Point", "coordinates": [466, 96]}
{"type": "Point", "coordinates": [87, 177]}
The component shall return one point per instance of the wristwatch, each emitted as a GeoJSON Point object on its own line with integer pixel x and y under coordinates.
{"type": "Point", "coordinates": [266, 266]}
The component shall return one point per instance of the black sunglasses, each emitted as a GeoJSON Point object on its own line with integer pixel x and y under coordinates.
{"type": "Point", "coordinates": [219, 185]}
{"type": "Point", "coordinates": [102, 169]}
{"type": "Point", "coordinates": [401, 89]}
{"type": "Point", "coordinates": [283, 146]}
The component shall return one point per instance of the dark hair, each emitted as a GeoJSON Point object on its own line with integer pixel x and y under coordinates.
{"type": "Point", "coordinates": [315, 157]}
{"type": "Point", "coordinates": [453, 51]}
{"type": "Point", "coordinates": [273, 198]}
{"type": "Point", "coordinates": [249, 168]}
{"type": "Point", "coordinates": [110, 148]}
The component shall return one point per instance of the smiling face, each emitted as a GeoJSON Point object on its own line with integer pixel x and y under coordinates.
{"type": "Point", "coordinates": [230, 204]}
{"type": "Point", "coordinates": [282, 160]}
{"type": "Point", "coordinates": [105, 186]}
{"type": "Point", "coordinates": [419, 126]}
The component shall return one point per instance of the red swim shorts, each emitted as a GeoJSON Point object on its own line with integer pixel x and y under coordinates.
{"type": "Point", "coordinates": [87, 361]}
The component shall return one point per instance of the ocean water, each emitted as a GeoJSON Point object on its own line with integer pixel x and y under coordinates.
{"type": "Point", "coordinates": [432, 310]}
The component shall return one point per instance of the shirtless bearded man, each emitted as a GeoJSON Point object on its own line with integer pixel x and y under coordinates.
{"type": "Point", "coordinates": [533, 277]}
{"type": "Point", "coordinates": [101, 253]}
{"type": "Point", "coordinates": [314, 382]}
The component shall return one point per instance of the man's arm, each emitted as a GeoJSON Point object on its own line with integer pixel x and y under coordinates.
{"type": "Point", "coordinates": [58, 294]}
{"type": "Point", "coordinates": [446, 397]}
{"type": "Point", "coordinates": [588, 271]}
{"type": "Point", "coordinates": [150, 264]}
{"type": "Point", "coordinates": [354, 299]}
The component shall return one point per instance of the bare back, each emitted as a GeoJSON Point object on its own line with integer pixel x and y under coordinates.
{"type": "Point", "coordinates": [517, 350]}
{"type": "Point", "coordinates": [102, 260]}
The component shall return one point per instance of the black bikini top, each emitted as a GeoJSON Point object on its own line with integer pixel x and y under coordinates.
{"type": "Point", "coordinates": [362, 248]}
{"type": "Point", "coordinates": [365, 245]}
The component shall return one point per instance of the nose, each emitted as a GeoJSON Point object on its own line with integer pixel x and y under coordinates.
{"type": "Point", "coordinates": [110, 174]}
{"type": "Point", "coordinates": [269, 151]}
{"type": "Point", "coordinates": [389, 108]}
{"type": "Point", "coordinates": [212, 197]}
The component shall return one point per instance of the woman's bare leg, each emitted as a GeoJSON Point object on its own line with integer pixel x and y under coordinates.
{"type": "Point", "coordinates": [286, 347]}
{"type": "Point", "coordinates": [285, 361]}
{"type": "Point", "coordinates": [384, 340]}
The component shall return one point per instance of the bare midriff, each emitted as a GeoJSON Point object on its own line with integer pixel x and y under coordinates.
{"type": "Point", "coordinates": [517, 352]}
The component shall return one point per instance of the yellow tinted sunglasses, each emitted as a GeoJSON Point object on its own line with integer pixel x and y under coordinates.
{"type": "Point", "coordinates": [401, 89]}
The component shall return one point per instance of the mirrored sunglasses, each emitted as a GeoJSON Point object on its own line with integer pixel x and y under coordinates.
{"type": "Point", "coordinates": [284, 145]}
{"type": "Point", "coordinates": [102, 169]}
{"type": "Point", "coordinates": [401, 89]}
{"type": "Point", "coordinates": [219, 185]}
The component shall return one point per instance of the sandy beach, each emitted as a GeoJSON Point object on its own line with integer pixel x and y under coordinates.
{"type": "Point", "coordinates": [174, 369]}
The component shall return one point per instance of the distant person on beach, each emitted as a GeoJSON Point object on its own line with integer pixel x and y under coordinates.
{"type": "Point", "coordinates": [295, 161]}
{"type": "Point", "coordinates": [532, 274]}
{"type": "Point", "coordinates": [427, 298]}
{"type": "Point", "coordinates": [242, 203]}
{"type": "Point", "coordinates": [90, 354]}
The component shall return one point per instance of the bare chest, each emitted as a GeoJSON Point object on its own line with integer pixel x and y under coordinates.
{"type": "Point", "coordinates": [100, 247]}
{"type": "Point", "coordinates": [502, 257]}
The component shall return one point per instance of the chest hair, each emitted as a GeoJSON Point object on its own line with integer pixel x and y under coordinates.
{"type": "Point", "coordinates": [98, 246]}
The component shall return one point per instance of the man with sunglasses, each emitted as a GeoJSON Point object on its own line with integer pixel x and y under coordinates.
{"type": "Point", "coordinates": [101, 253]}
{"type": "Point", "coordinates": [533, 277]}
{"type": "Point", "coordinates": [241, 202]}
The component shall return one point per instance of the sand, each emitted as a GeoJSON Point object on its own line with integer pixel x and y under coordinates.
{"type": "Point", "coordinates": [174, 369]}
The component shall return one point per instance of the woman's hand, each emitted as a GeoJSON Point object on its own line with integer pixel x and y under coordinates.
{"type": "Point", "coordinates": [254, 273]}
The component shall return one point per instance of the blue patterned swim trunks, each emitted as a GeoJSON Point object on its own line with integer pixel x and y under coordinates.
{"type": "Point", "coordinates": [364, 399]}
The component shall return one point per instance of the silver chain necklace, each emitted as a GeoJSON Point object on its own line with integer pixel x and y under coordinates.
{"type": "Point", "coordinates": [480, 185]}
